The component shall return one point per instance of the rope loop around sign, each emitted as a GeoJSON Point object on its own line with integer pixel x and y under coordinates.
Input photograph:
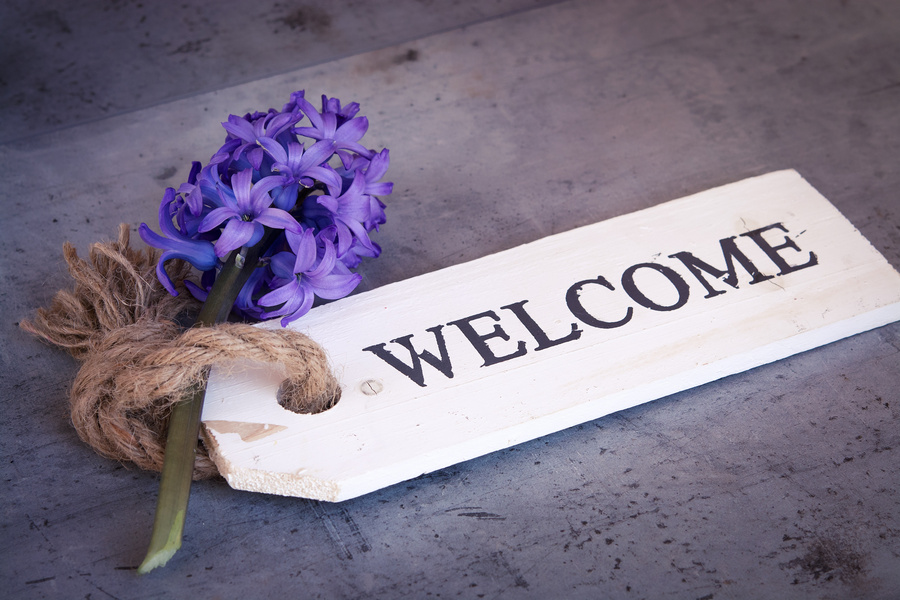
{"type": "Point", "coordinates": [138, 362]}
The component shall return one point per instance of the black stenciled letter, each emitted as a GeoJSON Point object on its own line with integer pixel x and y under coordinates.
{"type": "Point", "coordinates": [772, 251]}
{"type": "Point", "coordinates": [479, 341]}
{"type": "Point", "coordinates": [518, 309]}
{"type": "Point", "coordinates": [730, 252]}
{"type": "Point", "coordinates": [638, 296]}
{"type": "Point", "coordinates": [574, 303]}
{"type": "Point", "coordinates": [414, 371]}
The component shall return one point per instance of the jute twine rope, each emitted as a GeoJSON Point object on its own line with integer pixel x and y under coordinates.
{"type": "Point", "coordinates": [138, 362]}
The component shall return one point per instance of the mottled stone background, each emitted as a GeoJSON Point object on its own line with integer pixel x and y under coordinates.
{"type": "Point", "coordinates": [507, 121]}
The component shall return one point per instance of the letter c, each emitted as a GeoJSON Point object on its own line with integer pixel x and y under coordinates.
{"type": "Point", "coordinates": [574, 303]}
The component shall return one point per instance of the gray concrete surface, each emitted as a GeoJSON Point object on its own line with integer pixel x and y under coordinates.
{"type": "Point", "coordinates": [505, 125]}
{"type": "Point", "coordinates": [63, 63]}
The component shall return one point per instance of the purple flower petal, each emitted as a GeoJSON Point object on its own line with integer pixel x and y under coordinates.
{"type": "Point", "coordinates": [216, 216]}
{"type": "Point", "coordinates": [332, 287]}
{"type": "Point", "coordinates": [277, 219]}
{"type": "Point", "coordinates": [304, 246]}
{"type": "Point", "coordinates": [326, 264]}
{"type": "Point", "coordinates": [275, 149]}
{"type": "Point", "coordinates": [319, 152]}
{"type": "Point", "coordinates": [236, 234]}
{"type": "Point", "coordinates": [255, 157]}
{"type": "Point", "coordinates": [282, 295]}
{"type": "Point", "coordinates": [379, 166]}
{"type": "Point", "coordinates": [352, 130]}
{"type": "Point", "coordinates": [282, 265]}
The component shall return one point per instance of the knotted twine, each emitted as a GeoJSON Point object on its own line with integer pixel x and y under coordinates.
{"type": "Point", "coordinates": [138, 362]}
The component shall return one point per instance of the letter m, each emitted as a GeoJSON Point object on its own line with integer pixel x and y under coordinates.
{"type": "Point", "coordinates": [731, 253]}
{"type": "Point", "coordinates": [414, 370]}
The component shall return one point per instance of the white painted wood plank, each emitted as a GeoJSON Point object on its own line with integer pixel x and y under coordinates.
{"type": "Point", "coordinates": [822, 281]}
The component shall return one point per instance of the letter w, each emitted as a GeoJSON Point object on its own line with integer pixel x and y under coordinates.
{"type": "Point", "coordinates": [414, 371]}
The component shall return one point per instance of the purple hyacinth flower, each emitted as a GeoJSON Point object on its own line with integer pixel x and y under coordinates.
{"type": "Point", "coordinates": [292, 105]}
{"type": "Point", "coordinates": [246, 209]}
{"type": "Point", "coordinates": [220, 209]}
{"type": "Point", "coordinates": [250, 128]}
{"type": "Point", "coordinates": [177, 244]}
{"type": "Point", "coordinates": [299, 166]}
{"type": "Point", "coordinates": [203, 190]}
{"type": "Point", "coordinates": [374, 168]}
{"type": "Point", "coordinates": [333, 105]}
{"type": "Point", "coordinates": [377, 169]}
{"type": "Point", "coordinates": [244, 304]}
{"type": "Point", "coordinates": [357, 251]}
{"type": "Point", "coordinates": [328, 126]}
{"type": "Point", "coordinates": [374, 171]}
{"type": "Point", "coordinates": [310, 270]}
{"type": "Point", "coordinates": [350, 211]}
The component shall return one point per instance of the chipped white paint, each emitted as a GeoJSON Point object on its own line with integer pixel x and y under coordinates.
{"type": "Point", "coordinates": [578, 348]}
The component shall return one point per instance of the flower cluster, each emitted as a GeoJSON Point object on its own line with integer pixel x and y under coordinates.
{"type": "Point", "coordinates": [309, 190]}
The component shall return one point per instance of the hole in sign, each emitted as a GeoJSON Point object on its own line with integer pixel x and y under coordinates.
{"type": "Point", "coordinates": [295, 398]}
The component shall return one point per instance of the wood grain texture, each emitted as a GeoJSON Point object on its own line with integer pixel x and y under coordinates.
{"type": "Point", "coordinates": [799, 276]}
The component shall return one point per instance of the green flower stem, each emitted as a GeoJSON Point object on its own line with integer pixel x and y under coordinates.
{"type": "Point", "coordinates": [175, 483]}
{"type": "Point", "coordinates": [184, 423]}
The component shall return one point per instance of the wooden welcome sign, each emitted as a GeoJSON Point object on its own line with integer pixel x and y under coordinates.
{"type": "Point", "coordinates": [477, 357]}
